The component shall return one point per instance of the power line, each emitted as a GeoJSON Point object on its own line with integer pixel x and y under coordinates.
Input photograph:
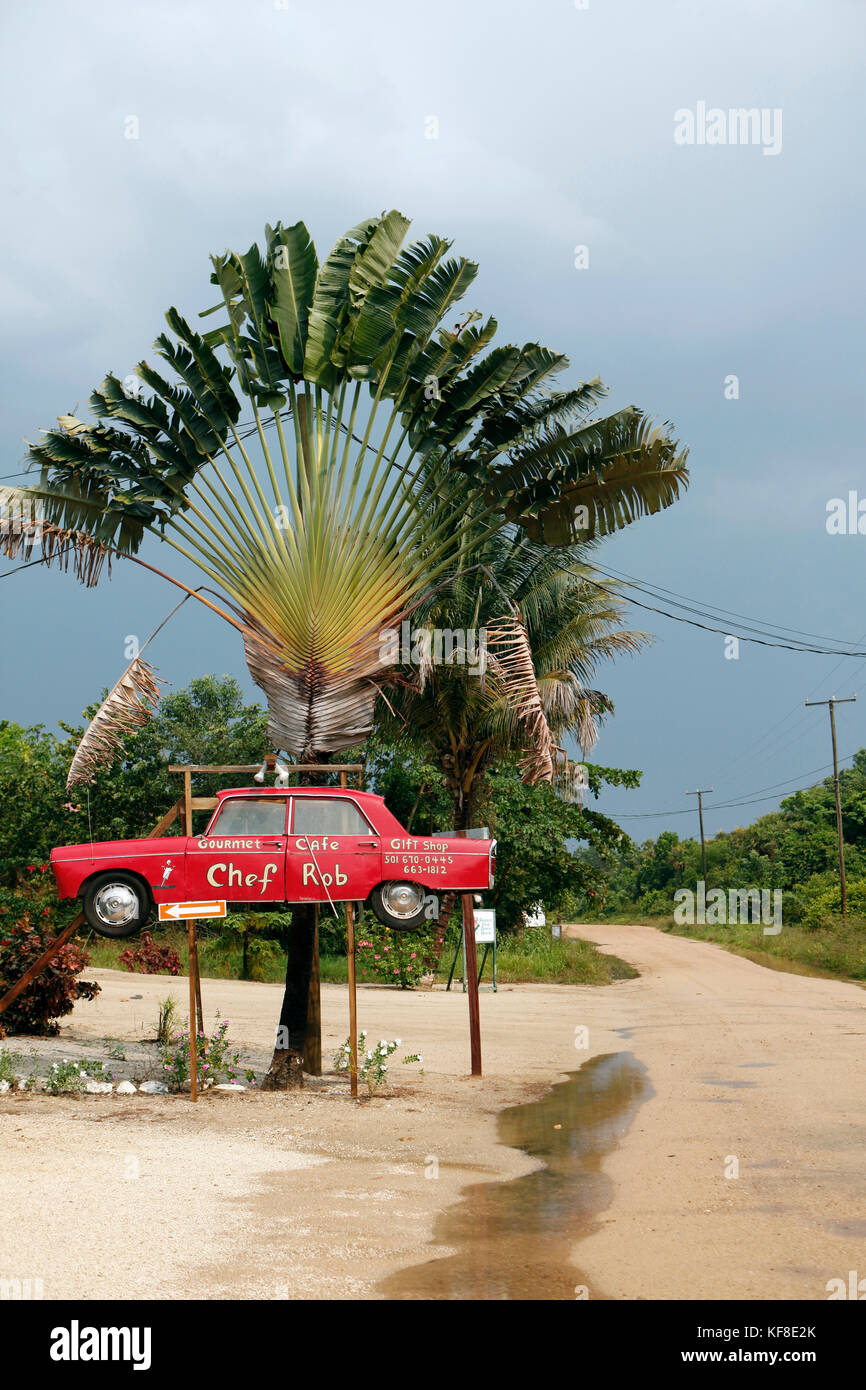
{"type": "Point", "coordinates": [698, 605]}
{"type": "Point", "coordinates": [749, 798]}
{"type": "Point", "coordinates": [724, 632]}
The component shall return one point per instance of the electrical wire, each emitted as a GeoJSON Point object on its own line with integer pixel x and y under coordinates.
{"type": "Point", "coordinates": [724, 632]}
{"type": "Point", "coordinates": [749, 798]}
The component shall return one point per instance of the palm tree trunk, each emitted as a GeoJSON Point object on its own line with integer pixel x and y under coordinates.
{"type": "Point", "coordinates": [286, 1072]}
{"type": "Point", "coordinates": [447, 901]}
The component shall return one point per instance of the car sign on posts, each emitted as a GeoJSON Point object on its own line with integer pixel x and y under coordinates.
{"type": "Point", "coordinates": [189, 912]}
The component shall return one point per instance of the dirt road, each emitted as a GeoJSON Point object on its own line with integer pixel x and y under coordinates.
{"type": "Point", "coordinates": [313, 1195]}
{"type": "Point", "coordinates": [755, 1072]}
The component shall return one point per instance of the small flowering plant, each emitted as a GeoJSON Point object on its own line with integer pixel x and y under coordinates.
{"type": "Point", "coordinates": [70, 1077]}
{"type": "Point", "coordinates": [372, 1062]}
{"type": "Point", "coordinates": [216, 1060]}
{"type": "Point", "coordinates": [11, 1074]}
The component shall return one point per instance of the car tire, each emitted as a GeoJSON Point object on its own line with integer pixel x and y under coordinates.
{"type": "Point", "coordinates": [116, 904]}
{"type": "Point", "coordinates": [400, 905]}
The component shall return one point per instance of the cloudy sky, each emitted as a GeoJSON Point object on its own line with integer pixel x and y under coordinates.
{"type": "Point", "coordinates": [555, 126]}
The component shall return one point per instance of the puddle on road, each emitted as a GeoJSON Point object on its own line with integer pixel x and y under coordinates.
{"type": "Point", "coordinates": [514, 1238]}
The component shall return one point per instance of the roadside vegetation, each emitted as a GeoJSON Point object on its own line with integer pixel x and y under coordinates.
{"type": "Point", "coordinates": [791, 851]}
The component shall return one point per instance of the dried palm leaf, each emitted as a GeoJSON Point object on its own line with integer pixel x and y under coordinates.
{"type": "Point", "coordinates": [127, 706]}
{"type": "Point", "coordinates": [23, 529]}
{"type": "Point", "coordinates": [510, 660]}
{"type": "Point", "coordinates": [312, 709]}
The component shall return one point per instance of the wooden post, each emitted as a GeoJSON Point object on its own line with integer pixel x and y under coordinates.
{"type": "Point", "coordinates": [472, 984]}
{"type": "Point", "coordinates": [187, 802]}
{"type": "Point", "coordinates": [199, 1011]}
{"type": "Point", "coordinates": [353, 998]}
{"type": "Point", "coordinates": [193, 1048]}
{"type": "Point", "coordinates": [313, 1034]}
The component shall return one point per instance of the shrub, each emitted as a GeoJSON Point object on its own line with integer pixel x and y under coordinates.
{"type": "Point", "coordinates": [12, 1074]}
{"type": "Point", "coordinates": [150, 959]}
{"type": "Point", "coordinates": [395, 958]}
{"type": "Point", "coordinates": [166, 1023]}
{"type": "Point", "coordinates": [70, 1077]}
{"type": "Point", "coordinates": [216, 1060]}
{"type": "Point", "coordinates": [243, 939]}
{"type": "Point", "coordinates": [53, 993]}
{"type": "Point", "coordinates": [373, 1063]}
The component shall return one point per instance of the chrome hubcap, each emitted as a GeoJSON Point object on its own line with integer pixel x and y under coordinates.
{"type": "Point", "coordinates": [116, 904]}
{"type": "Point", "coordinates": [403, 899]}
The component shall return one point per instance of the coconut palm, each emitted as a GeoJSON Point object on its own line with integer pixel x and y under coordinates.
{"type": "Point", "coordinates": [281, 453]}
{"type": "Point", "coordinates": [546, 627]}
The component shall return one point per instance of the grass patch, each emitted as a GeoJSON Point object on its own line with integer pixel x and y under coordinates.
{"type": "Point", "coordinates": [537, 958]}
{"type": "Point", "coordinates": [834, 952]}
{"type": "Point", "coordinates": [534, 958]}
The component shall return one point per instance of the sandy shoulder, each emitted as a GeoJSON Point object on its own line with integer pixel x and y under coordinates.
{"type": "Point", "coordinates": [265, 1196]}
{"type": "Point", "coordinates": [754, 1072]}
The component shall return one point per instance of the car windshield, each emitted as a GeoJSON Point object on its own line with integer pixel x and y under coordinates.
{"type": "Point", "coordinates": [332, 815]}
{"type": "Point", "coordinates": [251, 815]}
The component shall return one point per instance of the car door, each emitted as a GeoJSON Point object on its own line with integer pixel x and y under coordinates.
{"type": "Point", "coordinates": [334, 852]}
{"type": "Point", "coordinates": [242, 857]}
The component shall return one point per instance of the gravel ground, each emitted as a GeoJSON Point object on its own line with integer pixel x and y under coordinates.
{"type": "Point", "coordinates": [314, 1195]}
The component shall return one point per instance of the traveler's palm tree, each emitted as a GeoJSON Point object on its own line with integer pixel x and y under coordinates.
{"type": "Point", "coordinates": [365, 397]}
{"type": "Point", "coordinates": [293, 452]}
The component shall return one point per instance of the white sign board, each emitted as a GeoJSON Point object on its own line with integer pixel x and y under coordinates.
{"type": "Point", "coordinates": [485, 926]}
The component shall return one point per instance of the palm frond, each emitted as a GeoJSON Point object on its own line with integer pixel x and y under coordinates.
{"type": "Point", "coordinates": [23, 529]}
{"type": "Point", "coordinates": [511, 662]}
{"type": "Point", "coordinates": [128, 706]}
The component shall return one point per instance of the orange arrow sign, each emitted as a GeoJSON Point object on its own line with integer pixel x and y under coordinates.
{"type": "Point", "coordinates": [171, 912]}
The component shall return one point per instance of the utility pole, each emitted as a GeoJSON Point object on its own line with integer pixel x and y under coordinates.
{"type": "Point", "coordinates": [832, 703]}
{"type": "Point", "coordinates": [700, 795]}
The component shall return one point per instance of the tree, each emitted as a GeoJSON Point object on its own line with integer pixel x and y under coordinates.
{"type": "Point", "coordinates": [301, 514]}
{"type": "Point", "coordinates": [535, 862]}
{"type": "Point", "coordinates": [468, 709]}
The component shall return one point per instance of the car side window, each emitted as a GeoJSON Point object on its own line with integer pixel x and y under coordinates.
{"type": "Point", "coordinates": [333, 815]}
{"type": "Point", "coordinates": [251, 815]}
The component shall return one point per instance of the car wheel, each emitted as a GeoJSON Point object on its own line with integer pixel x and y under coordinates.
{"type": "Point", "coordinates": [399, 905]}
{"type": "Point", "coordinates": [116, 904]}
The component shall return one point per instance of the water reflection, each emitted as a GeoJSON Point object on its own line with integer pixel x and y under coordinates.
{"type": "Point", "coordinates": [514, 1238]}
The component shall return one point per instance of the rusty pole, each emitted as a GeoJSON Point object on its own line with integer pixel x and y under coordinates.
{"type": "Point", "coordinates": [193, 1051]}
{"type": "Point", "coordinates": [472, 984]}
{"type": "Point", "coordinates": [353, 998]}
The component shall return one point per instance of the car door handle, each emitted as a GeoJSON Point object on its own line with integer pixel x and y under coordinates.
{"type": "Point", "coordinates": [272, 844]}
{"type": "Point", "coordinates": [368, 844]}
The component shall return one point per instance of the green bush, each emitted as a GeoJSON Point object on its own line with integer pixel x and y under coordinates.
{"type": "Point", "coordinates": [29, 921]}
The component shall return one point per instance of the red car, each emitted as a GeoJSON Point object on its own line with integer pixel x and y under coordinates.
{"type": "Point", "coordinates": [276, 845]}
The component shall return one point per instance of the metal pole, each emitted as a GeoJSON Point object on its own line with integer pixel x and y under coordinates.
{"type": "Point", "coordinates": [193, 1050]}
{"type": "Point", "coordinates": [832, 702]}
{"type": "Point", "coordinates": [471, 973]}
{"type": "Point", "coordinates": [353, 998]}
